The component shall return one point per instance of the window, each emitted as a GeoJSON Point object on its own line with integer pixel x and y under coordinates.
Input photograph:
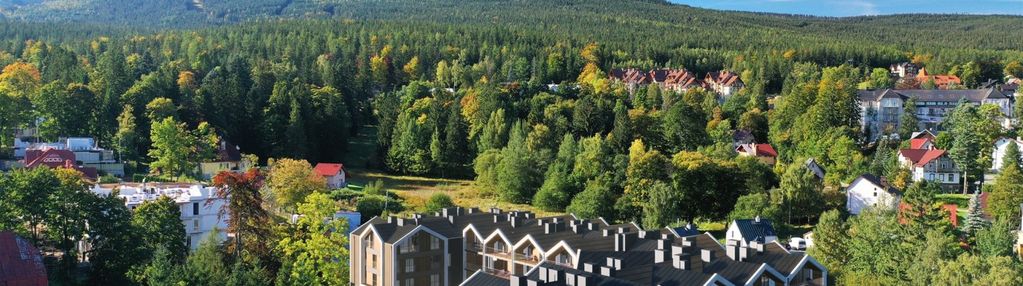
{"type": "Point", "coordinates": [435, 280]}
{"type": "Point", "coordinates": [434, 242]}
{"type": "Point", "coordinates": [195, 225]}
{"type": "Point", "coordinates": [410, 282]}
{"type": "Point", "coordinates": [373, 279]}
{"type": "Point", "coordinates": [561, 259]}
{"type": "Point", "coordinates": [410, 265]}
{"type": "Point", "coordinates": [195, 208]}
{"type": "Point", "coordinates": [373, 260]}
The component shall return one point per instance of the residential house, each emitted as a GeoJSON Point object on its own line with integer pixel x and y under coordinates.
{"type": "Point", "coordinates": [676, 80]}
{"type": "Point", "coordinates": [748, 231]}
{"type": "Point", "coordinates": [199, 205]}
{"type": "Point", "coordinates": [942, 81]}
{"type": "Point", "coordinates": [881, 110]}
{"type": "Point", "coordinates": [922, 140]}
{"type": "Point", "coordinates": [740, 137]}
{"type": "Point", "coordinates": [334, 173]}
{"type": "Point", "coordinates": [998, 154]}
{"type": "Point", "coordinates": [930, 164]}
{"type": "Point", "coordinates": [870, 191]}
{"type": "Point", "coordinates": [21, 264]}
{"type": "Point", "coordinates": [229, 158]}
{"type": "Point", "coordinates": [905, 69]}
{"type": "Point", "coordinates": [57, 158]}
{"type": "Point", "coordinates": [764, 152]}
{"type": "Point", "coordinates": [459, 246]}
{"type": "Point", "coordinates": [725, 83]}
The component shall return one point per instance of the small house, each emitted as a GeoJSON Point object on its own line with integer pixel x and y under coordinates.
{"type": "Point", "coordinates": [747, 231]}
{"type": "Point", "coordinates": [334, 173]}
{"type": "Point", "coordinates": [764, 152]}
{"type": "Point", "coordinates": [867, 191]}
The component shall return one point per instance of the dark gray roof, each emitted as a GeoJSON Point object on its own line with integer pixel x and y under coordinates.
{"type": "Point", "coordinates": [687, 230]}
{"type": "Point", "coordinates": [878, 182]}
{"type": "Point", "coordinates": [752, 230]}
{"type": "Point", "coordinates": [972, 95]}
{"type": "Point", "coordinates": [778, 258]}
{"type": "Point", "coordinates": [481, 278]}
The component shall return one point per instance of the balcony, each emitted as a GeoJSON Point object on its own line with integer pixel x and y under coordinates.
{"type": "Point", "coordinates": [497, 272]}
{"type": "Point", "coordinates": [474, 247]}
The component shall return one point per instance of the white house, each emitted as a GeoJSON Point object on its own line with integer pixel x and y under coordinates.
{"type": "Point", "coordinates": [1001, 145]}
{"type": "Point", "coordinates": [334, 173]}
{"type": "Point", "coordinates": [200, 208]}
{"type": "Point", "coordinates": [749, 230]}
{"type": "Point", "coordinates": [869, 190]}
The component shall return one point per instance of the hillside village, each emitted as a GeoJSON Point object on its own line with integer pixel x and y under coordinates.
{"type": "Point", "coordinates": [397, 151]}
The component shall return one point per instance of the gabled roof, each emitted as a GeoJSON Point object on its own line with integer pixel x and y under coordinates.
{"type": "Point", "coordinates": [920, 157]}
{"type": "Point", "coordinates": [878, 182]}
{"type": "Point", "coordinates": [918, 143]}
{"type": "Point", "coordinates": [760, 150]}
{"type": "Point", "coordinates": [20, 262]}
{"type": "Point", "coordinates": [328, 169]}
{"type": "Point", "coordinates": [757, 229]}
{"type": "Point", "coordinates": [934, 95]}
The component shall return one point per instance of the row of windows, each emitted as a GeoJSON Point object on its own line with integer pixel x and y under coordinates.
{"type": "Point", "coordinates": [412, 245]}
{"type": "Point", "coordinates": [434, 281]}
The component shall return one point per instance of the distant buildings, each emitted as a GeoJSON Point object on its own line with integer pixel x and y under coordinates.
{"type": "Point", "coordinates": [725, 83]}
{"type": "Point", "coordinates": [870, 191]}
{"type": "Point", "coordinates": [881, 110]}
{"type": "Point", "coordinates": [913, 76]}
{"type": "Point", "coordinates": [470, 247]}
{"type": "Point", "coordinates": [79, 153]}
{"type": "Point", "coordinates": [200, 208]}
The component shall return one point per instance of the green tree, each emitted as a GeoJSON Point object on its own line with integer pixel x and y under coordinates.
{"type": "Point", "coordinates": [160, 108]}
{"type": "Point", "coordinates": [830, 241]}
{"type": "Point", "coordinates": [159, 225]}
{"type": "Point", "coordinates": [908, 122]}
{"type": "Point", "coordinates": [495, 132]}
{"type": "Point", "coordinates": [66, 210]}
{"type": "Point", "coordinates": [126, 138]}
{"type": "Point", "coordinates": [558, 187]}
{"type": "Point", "coordinates": [517, 178]}
{"type": "Point", "coordinates": [161, 270]}
{"type": "Point", "coordinates": [205, 265]}
{"type": "Point", "coordinates": [754, 205]}
{"type": "Point", "coordinates": [114, 245]}
{"type": "Point", "coordinates": [800, 193]}
{"type": "Point", "coordinates": [1007, 193]}
{"type": "Point", "coordinates": [997, 240]}
{"type": "Point", "coordinates": [172, 148]}
{"type": "Point", "coordinates": [621, 136]}
{"type": "Point", "coordinates": [596, 200]}
{"type": "Point", "coordinates": [1014, 69]}
{"type": "Point", "coordinates": [975, 220]}
{"type": "Point", "coordinates": [439, 201]}
{"type": "Point", "coordinates": [314, 250]}
{"type": "Point", "coordinates": [684, 127]}
{"type": "Point", "coordinates": [290, 181]}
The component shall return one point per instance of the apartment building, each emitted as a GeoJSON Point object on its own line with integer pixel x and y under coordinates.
{"type": "Point", "coordinates": [200, 208]}
{"type": "Point", "coordinates": [881, 110]}
{"type": "Point", "coordinates": [460, 246]}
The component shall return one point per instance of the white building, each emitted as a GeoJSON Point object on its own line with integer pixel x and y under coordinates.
{"type": "Point", "coordinates": [199, 205]}
{"type": "Point", "coordinates": [87, 152]}
{"type": "Point", "coordinates": [747, 231]}
{"type": "Point", "coordinates": [881, 110]}
{"type": "Point", "coordinates": [869, 190]}
{"type": "Point", "coordinates": [1001, 145]}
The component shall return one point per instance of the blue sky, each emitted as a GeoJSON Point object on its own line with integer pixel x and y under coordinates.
{"type": "Point", "coordinates": [841, 8]}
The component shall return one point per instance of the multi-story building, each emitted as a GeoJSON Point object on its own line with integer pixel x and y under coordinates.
{"type": "Point", "coordinates": [925, 162]}
{"type": "Point", "coordinates": [86, 153]}
{"type": "Point", "coordinates": [676, 80]}
{"type": "Point", "coordinates": [459, 246]}
{"type": "Point", "coordinates": [200, 207]}
{"type": "Point", "coordinates": [881, 110]}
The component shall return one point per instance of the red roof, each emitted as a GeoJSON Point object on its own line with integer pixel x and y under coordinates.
{"type": "Point", "coordinates": [20, 262]}
{"type": "Point", "coordinates": [921, 157]}
{"type": "Point", "coordinates": [918, 143]}
{"type": "Point", "coordinates": [328, 169]}
{"type": "Point", "coordinates": [766, 150]}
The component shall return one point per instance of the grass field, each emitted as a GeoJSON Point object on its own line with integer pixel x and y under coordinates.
{"type": "Point", "coordinates": [415, 190]}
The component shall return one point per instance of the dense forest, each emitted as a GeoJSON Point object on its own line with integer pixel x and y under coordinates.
{"type": "Point", "coordinates": [511, 94]}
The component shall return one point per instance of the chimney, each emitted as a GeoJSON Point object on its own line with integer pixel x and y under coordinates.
{"type": "Point", "coordinates": [758, 246]}
{"type": "Point", "coordinates": [588, 267]}
{"type": "Point", "coordinates": [707, 255]}
{"type": "Point", "coordinates": [607, 232]}
{"type": "Point", "coordinates": [686, 241]}
{"type": "Point", "coordinates": [569, 278]}
{"type": "Point", "coordinates": [495, 210]}
{"type": "Point", "coordinates": [614, 263]}
{"type": "Point", "coordinates": [451, 219]}
{"type": "Point", "coordinates": [580, 280]}
{"type": "Point", "coordinates": [663, 244]}
{"type": "Point", "coordinates": [400, 221]}
{"type": "Point", "coordinates": [732, 249]}
{"type": "Point", "coordinates": [390, 219]}
{"type": "Point", "coordinates": [498, 218]}
{"type": "Point", "coordinates": [606, 271]}
{"type": "Point", "coordinates": [743, 253]}
{"type": "Point", "coordinates": [516, 280]}
{"type": "Point", "coordinates": [757, 219]}
{"type": "Point", "coordinates": [682, 264]}
{"type": "Point", "coordinates": [590, 226]}
{"type": "Point", "coordinates": [515, 222]}
{"type": "Point", "coordinates": [659, 255]}
{"type": "Point", "coordinates": [624, 240]}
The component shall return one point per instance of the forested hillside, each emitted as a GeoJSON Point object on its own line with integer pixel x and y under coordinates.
{"type": "Point", "coordinates": [512, 94]}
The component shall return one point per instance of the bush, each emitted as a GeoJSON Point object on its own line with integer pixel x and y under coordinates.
{"type": "Point", "coordinates": [376, 205]}
{"type": "Point", "coordinates": [439, 201]}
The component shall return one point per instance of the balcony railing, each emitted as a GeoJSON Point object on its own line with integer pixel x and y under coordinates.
{"type": "Point", "coordinates": [497, 272]}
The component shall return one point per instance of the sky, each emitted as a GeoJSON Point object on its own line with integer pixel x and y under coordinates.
{"type": "Point", "coordinates": [842, 8]}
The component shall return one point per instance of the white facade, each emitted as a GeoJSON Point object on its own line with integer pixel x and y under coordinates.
{"type": "Point", "coordinates": [999, 152]}
{"type": "Point", "coordinates": [200, 207]}
{"type": "Point", "coordinates": [734, 234]}
{"type": "Point", "coordinates": [863, 193]}
{"type": "Point", "coordinates": [337, 181]}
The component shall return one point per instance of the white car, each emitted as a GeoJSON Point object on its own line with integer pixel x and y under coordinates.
{"type": "Point", "coordinates": [797, 243]}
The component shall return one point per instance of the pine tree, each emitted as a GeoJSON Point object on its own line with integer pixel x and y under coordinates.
{"type": "Point", "coordinates": [621, 135]}
{"type": "Point", "coordinates": [1007, 193]}
{"type": "Point", "coordinates": [297, 140]}
{"type": "Point", "coordinates": [516, 178]}
{"type": "Point", "coordinates": [558, 187]}
{"type": "Point", "coordinates": [495, 132]}
{"type": "Point", "coordinates": [908, 121]}
{"type": "Point", "coordinates": [126, 139]}
{"type": "Point", "coordinates": [975, 218]}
